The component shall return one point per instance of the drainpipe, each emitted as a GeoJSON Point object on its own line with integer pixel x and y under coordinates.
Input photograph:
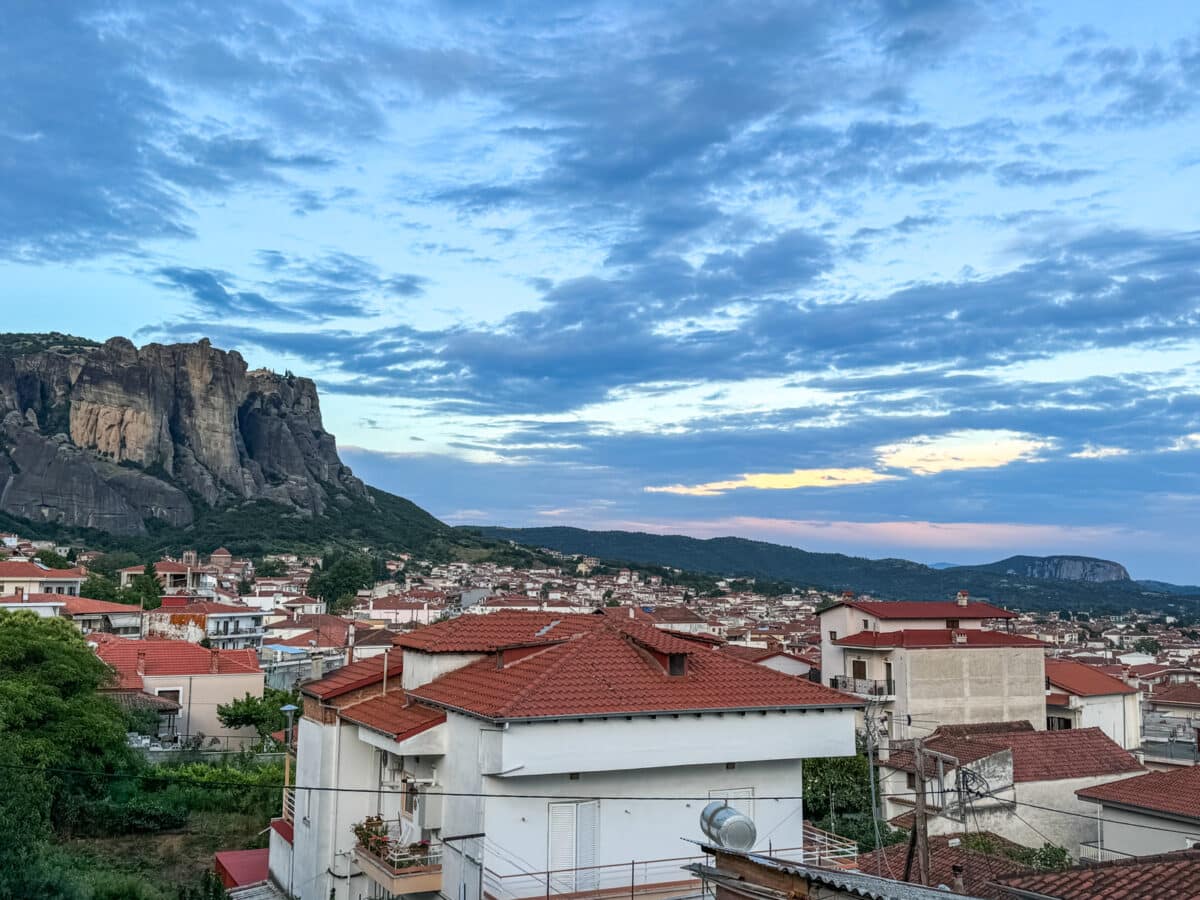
{"type": "Point", "coordinates": [337, 777]}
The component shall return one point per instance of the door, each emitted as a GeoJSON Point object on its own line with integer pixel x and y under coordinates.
{"type": "Point", "coordinates": [573, 846]}
{"type": "Point", "coordinates": [858, 669]}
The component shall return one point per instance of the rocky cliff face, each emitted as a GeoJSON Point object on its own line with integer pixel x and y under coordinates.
{"type": "Point", "coordinates": [111, 436]}
{"type": "Point", "coordinates": [1074, 568]}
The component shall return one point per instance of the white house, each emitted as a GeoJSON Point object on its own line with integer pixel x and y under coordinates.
{"type": "Point", "coordinates": [23, 576]}
{"type": "Point", "coordinates": [1014, 781]}
{"type": "Point", "coordinates": [519, 744]}
{"type": "Point", "coordinates": [1153, 813]}
{"type": "Point", "coordinates": [1081, 696]}
{"type": "Point", "coordinates": [224, 626]}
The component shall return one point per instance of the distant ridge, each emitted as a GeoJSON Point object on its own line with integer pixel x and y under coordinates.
{"type": "Point", "coordinates": [1026, 582]}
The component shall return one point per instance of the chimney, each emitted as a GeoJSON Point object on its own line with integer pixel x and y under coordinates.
{"type": "Point", "coordinates": [957, 883]}
{"type": "Point", "coordinates": [214, 661]}
{"type": "Point", "coordinates": [963, 598]}
{"type": "Point", "coordinates": [318, 667]}
{"type": "Point", "coordinates": [141, 661]}
{"type": "Point", "coordinates": [295, 614]}
{"type": "Point", "coordinates": [350, 644]}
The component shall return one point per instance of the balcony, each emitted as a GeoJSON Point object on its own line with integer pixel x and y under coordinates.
{"type": "Point", "coordinates": [1091, 851]}
{"type": "Point", "coordinates": [865, 687]}
{"type": "Point", "coordinates": [395, 865]}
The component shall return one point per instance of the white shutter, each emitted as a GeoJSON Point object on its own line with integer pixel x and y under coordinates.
{"type": "Point", "coordinates": [587, 845]}
{"type": "Point", "coordinates": [561, 853]}
{"type": "Point", "coordinates": [741, 799]}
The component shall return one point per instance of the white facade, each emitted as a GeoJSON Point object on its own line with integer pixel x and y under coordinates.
{"type": "Point", "coordinates": [1130, 832]}
{"type": "Point", "coordinates": [1117, 715]}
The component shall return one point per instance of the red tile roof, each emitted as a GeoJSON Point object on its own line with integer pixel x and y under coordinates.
{"type": "Point", "coordinates": [918, 638]}
{"type": "Point", "coordinates": [86, 606]}
{"type": "Point", "coordinates": [1176, 792]}
{"type": "Point", "coordinates": [927, 609]}
{"type": "Point", "coordinates": [392, 714]}
{"type": "Point", "coordinates": [1186, 693]}
{"type": "Point", "coordinates": [977, 868]}
{"type": "Point", "coordinates": [1037, 755]}
{"type": "Point", "coordinates": [208, 608]}
{"type": "Point", "coordinates": [162, 567]}
{"type": "Point", "coordinates": [19, 568]}
{"type": "Point", "coordinates": [751, 654]}
{"type": "Point", "coordinates": [168, 658]}
{"type": "Point", "coordinates": [363, 673]}
{"type": "Point", "coordinates": [616, 669]}
{"type": "Point", "coordinates": [238, 868]}
{"type": "Point", "coordinates": [486, 633]}
{"type": "Point", "coordinates": [1167, 876]}
{"type": "Point", "coordinates": [1083, 680]}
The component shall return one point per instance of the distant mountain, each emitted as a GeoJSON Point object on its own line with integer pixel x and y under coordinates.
{"type": "Point", "coordinates": [944, 565]}
{"type": "Point", "coordinates": [1026, 582]}
{"type": "Point", "coordinates": [1055, 568]}
{"type": "Point", "coordinates": [169, 445]}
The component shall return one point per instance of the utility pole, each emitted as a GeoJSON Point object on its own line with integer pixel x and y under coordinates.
{"type": "Point", "coordinates": [920, 823]}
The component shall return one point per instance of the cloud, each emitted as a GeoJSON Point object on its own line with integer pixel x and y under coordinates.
{"type": "Point", "coordinates": [1094, 451]}
{"type": "Point", "coordinates": [955, 451]}
{"type": "Point", "coordinates": [778, 481]}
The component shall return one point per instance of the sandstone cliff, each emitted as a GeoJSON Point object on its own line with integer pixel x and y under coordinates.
{"type": "Point", "coordinates": [110, 436]}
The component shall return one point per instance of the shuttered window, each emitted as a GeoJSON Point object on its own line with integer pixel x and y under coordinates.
{"type": "Point", "coordinates": [574, 843]}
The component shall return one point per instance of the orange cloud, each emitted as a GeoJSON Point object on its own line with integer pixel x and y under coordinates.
{"type": "Point", "coordinates": [777, 481]}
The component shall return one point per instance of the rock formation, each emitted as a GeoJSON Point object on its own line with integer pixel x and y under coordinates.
{"type": "Point", "coordinates": [109, 436]}
{"type": "Point", "coordinates": [1071, 568]}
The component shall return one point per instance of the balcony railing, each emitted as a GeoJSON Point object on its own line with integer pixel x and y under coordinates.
{"type": "Point", "coordinates": [397, 865]}
{"type": "Point", "coordinates": [1091, 851]}
{"type": "Point", "coordinates": [868, 687]}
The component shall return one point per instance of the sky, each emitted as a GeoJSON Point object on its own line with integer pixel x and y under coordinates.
{"type": "Point", "coordinates": [910, 278]}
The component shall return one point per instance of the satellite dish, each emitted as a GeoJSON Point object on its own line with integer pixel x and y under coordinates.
{"type": "Point", "coordinates": [726, 827]}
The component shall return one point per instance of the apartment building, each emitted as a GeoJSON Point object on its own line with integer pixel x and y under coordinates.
{"type": "Point", "coordinates": [224, 626]}
{"type": "Point", "coordinates": [926, 663]}
{"type": "Point", "coordinates": [23, 576]}
{"type": "Point", "coordinates": [492, 737]}
{"type": "Point", "coordinates": [1082, 696]}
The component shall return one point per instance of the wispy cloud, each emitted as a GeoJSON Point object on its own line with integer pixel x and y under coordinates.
{"type": "Point", "coordinates": [959, 450]}
{"type": "Point", "coordinates": [778, 481]}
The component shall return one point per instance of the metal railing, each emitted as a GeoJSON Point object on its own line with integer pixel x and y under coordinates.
{"type": "Point", "coordinates": [289, 804]}
{"type": "Point", "coordinates": [1091, 851]}
{"type": "Point", "coordinates": [653, 876]}
{"type": "Point", "coordinates": [868, 686]}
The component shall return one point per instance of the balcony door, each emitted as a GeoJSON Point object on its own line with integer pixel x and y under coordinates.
{"type": "Point", "coordinates": [574, 846]}
{"type": "Point", "coordinates": [858, 669]}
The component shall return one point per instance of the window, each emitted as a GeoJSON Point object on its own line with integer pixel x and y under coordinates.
{"type": "Point", "coordinates": [410, 798]}
{"type": "Point", "coordinates": [866, 625]}
{"type": "Point", "coordinates": [910, 779]}
{"type": "Point", "coordinates": [573, 846]}
{"type": "Point", "coordinates": [174, 694]}
{"type": "Point", "coordinates": [952, 624]}
{"type": "Point", "coordinates": [833, 635]}
{"type": "Point", "coordinates": [858, 669]}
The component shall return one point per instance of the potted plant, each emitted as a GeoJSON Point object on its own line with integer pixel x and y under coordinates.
{"type": "Point", "coordinates": [372, 835]}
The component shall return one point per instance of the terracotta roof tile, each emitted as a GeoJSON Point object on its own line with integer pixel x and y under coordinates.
{"type": "Point", "coordinates": [392, 714]}
{"type": "Point", "coordinates": [978, 869]}
{"type": "Point", "coordinates": [1037, 755]}
{"type": "Point", "coordinates": [919, 638]}
{"type": "Point", "coordinates": [1176, 792]}
{"type": "Point", "coordinates": [359, 674]}
{"type": "Point", "coordinates": [163, 657]}
{"type": "Point", "coordinates": [1083, 680]}
{"type": "Point", "coordinates": [1188, 693]}
{"type": "Point", "coordinates": [1167, 876]}
{"type": "Point", "coordinates": [612, 670]}
{"type": "Point", "coordinates": [86, 606]}
{"type": "Point", "coordinates": [485, 633]}
{"type": "Point", "coordinates": [19, 568]}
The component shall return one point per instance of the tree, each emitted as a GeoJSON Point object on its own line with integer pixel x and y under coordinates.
{"type": "Point", "coordinates": [837, 796]}
{"type": "Point", "coordinates": [51, 717]}
{"type": "Point", "coordinates": [100, 587]}
{"type": "Point", "coordinates": [270, 568]}
{"type": "Point", "coordinates": [109, 564]}
{"type": "Point", "coordinates": [145, 589]}
{"type": "Point", "coordinates": [260, 713]}
{"type": "Point", "coordinates": [340, 576]}
{"type": "Point", "coordinates": [1147, 645]}
{"type": "Point", "coordinates": [52, 560]}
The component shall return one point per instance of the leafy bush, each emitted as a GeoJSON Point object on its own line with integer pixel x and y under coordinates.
{"type": "Point", "coordinates": [139, 813]}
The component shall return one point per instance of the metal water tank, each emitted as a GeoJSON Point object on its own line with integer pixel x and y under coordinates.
{"type": "Point", "coordinates": [726, 827]}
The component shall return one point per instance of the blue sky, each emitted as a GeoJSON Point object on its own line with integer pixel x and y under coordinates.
{"type": "Point", "coordinates": [893, 278]}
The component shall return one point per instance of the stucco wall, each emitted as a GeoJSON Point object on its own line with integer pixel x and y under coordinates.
{"type": "Point", "coordinates": [422, 668]}
{"type": "Point", "coordinates": [1118, 715]}
{"type": "Point", "coordinates": [200, 695]}
{"type": "Point", "coordinates": [1139, 834]}
{"type": "Point", "coordinates": [945, 686]}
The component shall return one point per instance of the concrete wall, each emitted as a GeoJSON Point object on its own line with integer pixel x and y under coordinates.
{"type": "Point", "coordinates": [518, 828]}
{"type": "Point", "coordinates": [200, 695]}
{"type": "Point", "coordinates": [1118, 715]}
{"type": "Point", "coordinates": [950, 686]}
{"type": "Point", "coordinates": [422, 668]}
{"type": "Point", "coordinates": [645, 742]}
{"type": "Point", "coordinates": [1126, 831]}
